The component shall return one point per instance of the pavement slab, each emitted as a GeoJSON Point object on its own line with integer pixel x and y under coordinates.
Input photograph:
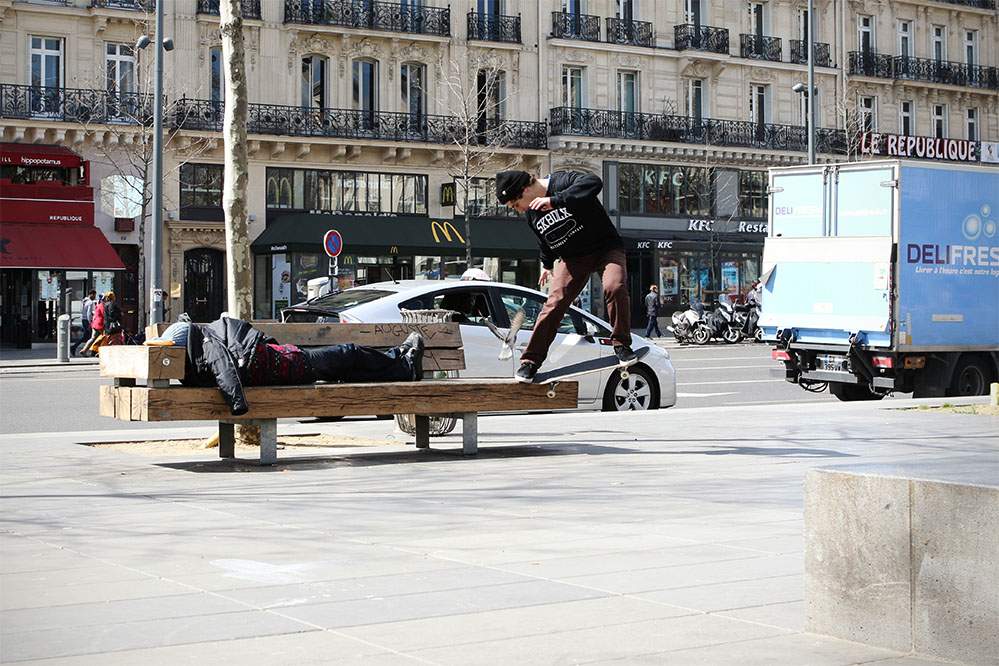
{"type": "Point", "coordinates": [660, 537]}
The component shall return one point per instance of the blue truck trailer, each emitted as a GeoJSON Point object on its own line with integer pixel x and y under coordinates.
{"type": "Point", "coordinates": [882, 277]}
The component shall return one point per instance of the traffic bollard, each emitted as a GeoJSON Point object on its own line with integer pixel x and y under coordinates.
{"type": "Point", "coordinates": [62, 338]}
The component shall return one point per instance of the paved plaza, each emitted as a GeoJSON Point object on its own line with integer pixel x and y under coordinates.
{"type": "Point", "coordinates": [667, 537]}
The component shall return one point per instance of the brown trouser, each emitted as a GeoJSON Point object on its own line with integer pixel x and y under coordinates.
{"type": "Point", "coordinates": [568, 280]}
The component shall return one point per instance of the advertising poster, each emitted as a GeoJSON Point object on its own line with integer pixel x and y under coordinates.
{"type": "Point", "coordinates": [730, 276]}
{"type": "Point", "coordinates": [669, 284]}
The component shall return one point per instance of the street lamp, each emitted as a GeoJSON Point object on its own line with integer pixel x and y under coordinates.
{"type": "Point", "coordinates": [156, 238]}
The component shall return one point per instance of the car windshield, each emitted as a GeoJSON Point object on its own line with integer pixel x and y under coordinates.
{"type": "Point", "coordinates": [345, 300]}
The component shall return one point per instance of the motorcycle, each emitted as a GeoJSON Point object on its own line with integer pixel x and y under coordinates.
{"type": "Point", "coordinates": [747, 318]}
{"type": "Point", "coordinates": [685, 322]}
{"type": "Point", "coordinates": [720, 323]}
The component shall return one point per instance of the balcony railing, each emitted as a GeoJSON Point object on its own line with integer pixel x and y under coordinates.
{"type": "Point", "coordinates": [76, 105]}
{"type": "Point", "coordinates": [760, 47]}
{"type": "Point", "coordinates": [700, 37]}
{"type": "Point", "coordinates": [250, 8]}
{"type": "Point", "coordinates": [884, 66]}
{"type": "Point", "coordinates": [799, 53]}
{"type": "Point", "coordinates": [599, 123]}
{"type": "Point", "coordinates": [576, 26]}
{"type": "Point", "coordinates": [387, 16]}
{"type": "Point", "coordinates": [978, 4]}
{"type": "Point", "coordinates": [492, 28]}
{"type": "Point", "coordinates": [131, 5]}
{"type": "Point", "coordinates": [633, 33]}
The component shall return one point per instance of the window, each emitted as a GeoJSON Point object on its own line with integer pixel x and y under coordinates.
{"type": "Point", "coordinates": [627, 10]}
{"type": "Point", "coordinates": [695, 99]}
{"type": "Point", "coordinates": [693, 12]}
{"type": "Point", "coordinates": [314, 77]}
{"type": "Point", "coordinates": [662, 190]}
{"type": "Point", "coordinates": [120, 68]}
{"type": "Point", "coordinates": [472, 305]}
{"type": "Point", "coordinates": [365, 85]}
{"type": "Point", "coordinates": [753, 194]}
{"type": "Point", "coordinates": [865, 34]}
{"type": "Point", "coordinates": [803, 24]}
{"type": "Point", "coordinates": [572, 87]}
{"type": "Point", "coordinates": [200, 186]}
{"type": "Point", "coordinates": [905, 118]}
{"type": "Point", "coordinates": [216, 75]}
{"type": "Point", "coordinates": [972, 124]}
{"type": "Point", "coordinates": [491, 87]}
{"type": "Point", "coordinates": [482, 199]}
{"type": "Point", "coordinates": [574, 6]}
{"type": "Point", "coordinates": [759, 108]}
{"type": "Point", "coordinates": [490, 7]}
{"type": "Point", "coordinates": [971, 47]}
{"type": "Point", "coordinates": [938, 43]}
{"type": "Point", "coordinates": [627, 92]}
{"type": "Point", "coordinates": [46, 62]}
{"type": "Point", "coordinates": [868, 113]}
{"type": "Point", "coordinates": [412, 79]}
{"type": "Point", "coordinates": [758, 18]}
{"type": "Point", "coordinates": [326, 191]}
{"type": "Point", "coordinates": [940, 121]}
{"type": "Point", "coordinates": [531, 304]}
{"type": "Point", "coordinates": [905, 39]}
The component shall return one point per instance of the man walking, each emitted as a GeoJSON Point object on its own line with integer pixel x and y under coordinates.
{"type": "Point", "coordinates": [87, 312]}
{"type": "Point", "coordinates": [652, 310]}
{"type": "Point", "coordinates": [572, 225]}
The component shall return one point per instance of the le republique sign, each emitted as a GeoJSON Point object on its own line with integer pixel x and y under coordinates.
{"type": "Point", "coordinates": [922, 147]}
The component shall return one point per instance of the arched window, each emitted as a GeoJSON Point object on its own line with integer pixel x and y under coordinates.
{"type": "Point", "coordinates": [314, 82]}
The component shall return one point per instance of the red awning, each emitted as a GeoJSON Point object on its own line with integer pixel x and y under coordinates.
{"type": "Point", "coordinates": [31, 154]}
{"type": "Point", "coordinates": [71, 246]}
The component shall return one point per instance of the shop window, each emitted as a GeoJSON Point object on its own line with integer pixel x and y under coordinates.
{"type": "Point", "coordinates": [346, 191]}
{"type": "Point", "coordinates": [482, 199]}
{"type": "Point", "coordinates": [753, 195]}
{"type": "Point", "coordinates": [201, 191]}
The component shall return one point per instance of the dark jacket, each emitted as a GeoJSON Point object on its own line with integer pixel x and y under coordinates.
{"type": "Point", "coordinates": [578, 224]}
{"type": "Point", "coordinates": [217, 354]}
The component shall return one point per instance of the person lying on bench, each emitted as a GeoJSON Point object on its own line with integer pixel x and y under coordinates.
{"type": "Point", "coordinates": [230, 353]}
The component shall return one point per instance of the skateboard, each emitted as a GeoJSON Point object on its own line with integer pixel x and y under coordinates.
{"type": "Point", "coordinates": [552, 377]}
{"type": "Point", "coordinates": [510, 337]}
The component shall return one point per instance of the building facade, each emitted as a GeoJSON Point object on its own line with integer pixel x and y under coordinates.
{"type": "Point", "coordinates": [680, 105]}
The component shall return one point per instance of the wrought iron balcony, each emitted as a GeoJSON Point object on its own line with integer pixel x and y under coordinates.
{"type": "Point", "coordinates": [799, 53]}
{"type": "Point", "coordinates": [759, 47]}
{"type": "Point", "coordinates": [883, 66]}
{"type": "Point", "coordinates": [75, 105]}
{"type": "Point", "coordinates": [387, 16]}
{"type": "Point", "coordinates": [250, 8]}
{"type": "Point", "coordinates": [700, 38]}
{"type": "Point", "coordinates": [566, 121]}
{"type": "Point", "coordinates": [978, 4]}
{"type": "Point", "coordinates": [576, 26]}
{"type": "Point", "coordinates": [493, 28]}
{"type": "Point", "coordinates": [633, 33]}
{"type": "Point", "coordinates": [131, 5]}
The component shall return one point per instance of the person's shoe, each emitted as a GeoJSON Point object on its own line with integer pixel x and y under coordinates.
{"type": "Point", "coordinates": [625, 355]}
{"type": "Point", "coordinates": [412, 351]}
{"type": "Point", "coordinates": [525, 373]}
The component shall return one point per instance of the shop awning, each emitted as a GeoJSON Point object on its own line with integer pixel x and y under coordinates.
{"type": "Point", "coordinates": [70, 246]}
{"type": "Point", "coordinates": [31, 154]}
{"type": "Point", "coordinates": [303, 232]}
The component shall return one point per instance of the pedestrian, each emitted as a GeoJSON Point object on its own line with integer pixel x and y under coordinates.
{"type": "Point", "coordinates": [652, 311]}
{"type": "Point", "coordinates": [96, 328]}
{"type": "Point", "coordinates": [87, 312]}
{"type": "Point", "coordinates": [230, 354]}
{"type": "Point", "coordinates": [572, 225]}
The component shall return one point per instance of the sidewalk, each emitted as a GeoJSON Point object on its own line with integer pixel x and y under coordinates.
{"type": "Point", "coordinates": [658, 537]}
{"type": "Point", "coordinates": [46, 356]}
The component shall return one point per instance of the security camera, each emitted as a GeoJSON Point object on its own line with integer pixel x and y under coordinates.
{"type": "Point", "coordinates": [142, 42]}
{"type": "Point", "coordinates": [168, 44]}
{"type": "Point", "coordinates": [799, 87]}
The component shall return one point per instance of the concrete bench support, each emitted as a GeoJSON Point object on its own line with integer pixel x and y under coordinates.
{"type": "Point", "coordinates": [469, 433]}
{"type": "Point", "coordinates": [909, 564]}
{"type": "Point", "coordinates": [268, 439]}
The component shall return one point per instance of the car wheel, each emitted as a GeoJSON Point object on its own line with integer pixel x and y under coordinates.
{"type": "Point", "coordinates": [636, 393]}
{"type": "Point", "coordinates": [971, 377]}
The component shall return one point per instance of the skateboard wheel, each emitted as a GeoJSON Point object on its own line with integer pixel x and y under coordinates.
{"type": "Point", "coordinates": [551, 394]}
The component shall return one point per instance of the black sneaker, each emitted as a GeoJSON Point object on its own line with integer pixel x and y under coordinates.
{"type": "Point", "coordinates": [525, 373]}
{"type": "Point", "coordinates": [412, 350]}
{"type": "Point", "coordinates": [625, 355]}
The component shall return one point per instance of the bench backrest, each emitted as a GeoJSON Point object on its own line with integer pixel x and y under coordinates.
{"type": "Point", "coordinates": [443, 346]}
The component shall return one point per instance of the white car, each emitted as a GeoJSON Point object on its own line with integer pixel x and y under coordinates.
{"type": "Point", "coordinates": [581, 337]}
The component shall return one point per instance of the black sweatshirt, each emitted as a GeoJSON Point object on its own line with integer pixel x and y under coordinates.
{"type": "Point", "coordinates": [577, 224]}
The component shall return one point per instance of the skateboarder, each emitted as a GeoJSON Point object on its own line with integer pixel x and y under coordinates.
{"type": "Point", "coordinates": [572, 225]}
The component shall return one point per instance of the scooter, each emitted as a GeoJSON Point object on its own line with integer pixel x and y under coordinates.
{"type": "Point", "coordinates": [718, 324]}
{"type": "Point", "coordinates": [685, 322]}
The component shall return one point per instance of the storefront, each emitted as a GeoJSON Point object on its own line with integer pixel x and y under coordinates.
{"type": "Point", "coordinates": [51, 254]}
{"type": "Point", "coordinates": [379, 248]}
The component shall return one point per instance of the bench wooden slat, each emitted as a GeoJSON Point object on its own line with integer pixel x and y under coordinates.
{"type": "Point", "coordinates": [390, 334]}
{"type": "Point", "coordinates": [178, 403]}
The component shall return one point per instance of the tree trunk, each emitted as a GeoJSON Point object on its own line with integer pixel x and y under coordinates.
{"type": "Point", "coordinates": [468, 226]}
{"type": "Point", "coordinates": [235, 178]}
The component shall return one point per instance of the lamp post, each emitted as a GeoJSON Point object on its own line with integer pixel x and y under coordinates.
{"type": "Point", "coordinates": [810, 99]}
{"type": "Point", "coordinates": [156, 237]}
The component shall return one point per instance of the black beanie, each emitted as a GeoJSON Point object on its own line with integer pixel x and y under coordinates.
{"type": "Point", "coordinates": [511, 184]}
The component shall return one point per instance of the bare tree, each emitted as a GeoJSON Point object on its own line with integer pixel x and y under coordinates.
{"type": "Point", "coordinates": [476, 96]}
{"type": "Point", "coordinates": [237, 239]}
{"type": "Point", "coordinates": [116, 115]}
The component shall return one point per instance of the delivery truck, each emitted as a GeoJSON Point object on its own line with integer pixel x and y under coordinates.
{"type": "Point", "coordinates": [882, 277]}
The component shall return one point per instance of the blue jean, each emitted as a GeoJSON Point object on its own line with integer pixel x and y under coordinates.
{"type": "Point", "coordinates": [653, 325]}
{"type": "Point", "coordinates": [354, 363]}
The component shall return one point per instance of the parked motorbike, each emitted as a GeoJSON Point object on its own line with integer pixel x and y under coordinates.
{"type": "Point", "coordinates": [720, 323]}
{"type": "Point", "coordinates": [747, 319]}
{"type": "Point", "coordinates": [685, 322]}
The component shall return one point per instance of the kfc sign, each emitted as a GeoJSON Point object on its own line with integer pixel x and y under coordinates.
{"type": "Point", "coordinates": [922, 147]}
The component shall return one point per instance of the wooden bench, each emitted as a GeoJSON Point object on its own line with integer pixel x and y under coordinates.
{"type": "Point", "coordinates": [142, 389]}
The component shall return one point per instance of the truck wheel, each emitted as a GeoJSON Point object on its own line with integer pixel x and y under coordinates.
{"type": "Point", "coordinates": [851, 392]}
{"type": "Point", "coordinates": [971, 377]}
